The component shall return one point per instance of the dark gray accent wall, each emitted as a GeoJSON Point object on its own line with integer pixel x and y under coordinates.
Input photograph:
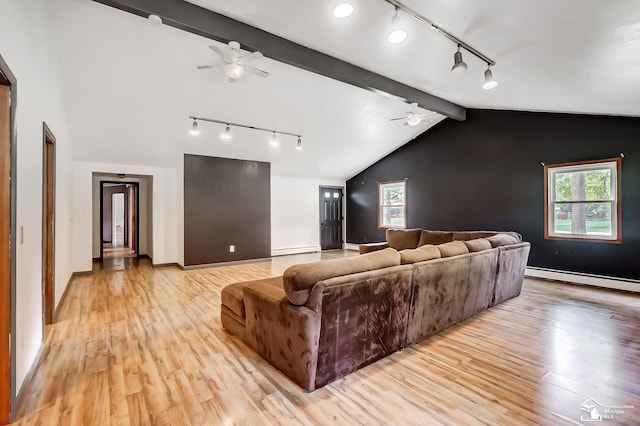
{"type": "Point", "coordinates": [485, 173]}
{"type": "Point", "coordinates": [226, 202]}
{"type": "Point", "coordinates": [194, 19]}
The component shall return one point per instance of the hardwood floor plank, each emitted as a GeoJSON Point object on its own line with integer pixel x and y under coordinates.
{"type": "Point", "coordinates": [145, 346]}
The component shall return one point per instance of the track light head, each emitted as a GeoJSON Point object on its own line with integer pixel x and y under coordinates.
{"type": "Point", "coordinates": [458, 64]}
{"type": "Point", "coordinates": [489, 81]}
{"type": "Point", "coordinates": [194, 129]}
{"type": "Point", "coordinates": [227, 133]}
{"type": "Point", "coordinates": [299, 145]}
{"type": "Point", "coordinates": [398, 34]}
{"type": "Point", "coordinates": [274, 139]}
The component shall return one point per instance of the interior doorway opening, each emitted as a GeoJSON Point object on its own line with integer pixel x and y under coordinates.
{"type": "Point", "coordinates": [48, 222]}
{"type": "Point", "coordinates": [119, 220]}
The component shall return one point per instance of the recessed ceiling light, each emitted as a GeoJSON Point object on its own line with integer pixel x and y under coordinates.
{"type": "Point", "coordinates": [343, 10]}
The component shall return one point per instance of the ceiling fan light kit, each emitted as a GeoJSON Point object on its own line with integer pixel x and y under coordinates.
{"type": "Point", "coordinates": [234, 64]}
{"type": "Point", "coordinates": [226, 135]}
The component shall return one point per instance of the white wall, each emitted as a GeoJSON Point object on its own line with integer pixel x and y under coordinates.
{"type": "Point", "coordinates": [163, 212]}
{"type": "Point", "coordinates": [145, 186]}
{"type": "Point", "coordinates": [28, 45]}
{"type": "Point", "coordinates": [295, 214]}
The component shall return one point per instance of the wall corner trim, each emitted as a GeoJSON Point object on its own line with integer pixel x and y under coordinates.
{"type": "Point", "coordinates": [584, 279]}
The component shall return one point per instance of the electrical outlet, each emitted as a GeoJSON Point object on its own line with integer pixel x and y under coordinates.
{"type": "Point", "coordinates": [232, 249]}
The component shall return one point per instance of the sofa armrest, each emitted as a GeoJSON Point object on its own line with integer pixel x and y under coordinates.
{"type": "Point", "coordinates": [285, 334]}
{"type": "Point", "coordinates": [368, 248]}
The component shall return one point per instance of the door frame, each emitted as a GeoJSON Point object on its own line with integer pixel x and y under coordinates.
{"type": "Point", "coordinates": [137, 212]}
{"type": "Point", "coordinates": [342, 209]}
{"type": "Point", "coordinates": [48, 288]}
{"type": "Point", "coordinates": [8, 78]}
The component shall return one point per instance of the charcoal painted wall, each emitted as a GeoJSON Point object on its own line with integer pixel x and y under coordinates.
{"type": "Point", "coordinates": [485, 173]}
{"type": "Point", "coordinates": [226, 202]}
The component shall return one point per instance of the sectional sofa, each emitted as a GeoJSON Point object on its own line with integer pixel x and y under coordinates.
{"type": "Point", "coordinates": [321, 321]}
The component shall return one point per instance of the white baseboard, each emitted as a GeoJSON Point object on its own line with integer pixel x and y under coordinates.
{"type": "Point", "coordinates": [295, 250]}
{"type": "Point", "coordinates": [586, 279]}
{"type": "Point", "coordinates": [351, 246]}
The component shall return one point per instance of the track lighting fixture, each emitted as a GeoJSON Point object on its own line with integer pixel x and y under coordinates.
{"type": "Point", "coordinates": [343, 10]}
{"type": "Point", "coordinates": [489, 81]}
{"type": "Point", "coordinates": [458, 64]}
{"type": "Point", "coordinates": [398, 34]}
{"type": "Point", "coordinates": [194, 128]}
{"type": "Point", "coordinates": [274, 140]}
{"type": "Point", "coordinates": [226, 135]}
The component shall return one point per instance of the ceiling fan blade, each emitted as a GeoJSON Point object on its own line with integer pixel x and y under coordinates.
{"type": "Point", "coordinates": [233, 80]}
{"type": "Point", "coordinates": [256, 71]}
{"type": "Point", "coordinates": [250, 57]}
{"type": "Point", "coordinates": [206, 67]}
{"type": "Point", "coordinates": [401, 118]}
{"type": "Point", "coordinates": [218, 50]}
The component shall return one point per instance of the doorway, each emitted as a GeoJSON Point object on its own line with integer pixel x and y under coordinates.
{"type": "Point", "coordinates": [48, 222]}
{"type": "Point", "coordinates": [7, 239]}
{"type": "Point", "coordinates": [119, 224]}
{"type": "Point", "coordinates": [331, 217]}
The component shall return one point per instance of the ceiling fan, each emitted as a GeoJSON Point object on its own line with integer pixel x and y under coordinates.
{"type": "Point", "coordinates": [413, 118]}
{"type": "Point", "coordinates": [234, 64]}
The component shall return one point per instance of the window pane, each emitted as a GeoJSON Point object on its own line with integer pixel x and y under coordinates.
{"type": "Point", "coordinates": [393, 216]}
{"type": "Point", "coordinates": [583, 218]}
{"type": "Point", "coordinates": [589, 185]}
{"type": "Point", "coordinates": [327, 195]}
{"type": "Point", "coordinates": [393, 194]}
{"type": "Point", "coordinates": [336, 195]}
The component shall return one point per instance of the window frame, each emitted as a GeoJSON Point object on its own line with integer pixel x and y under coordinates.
{"type": "Point", "coordinates": [381, 185]}
{"type": "Point", "coordinates": [616, 204]}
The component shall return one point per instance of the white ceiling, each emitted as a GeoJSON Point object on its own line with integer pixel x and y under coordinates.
{"type": "Point", "coordinates": [130, 85]}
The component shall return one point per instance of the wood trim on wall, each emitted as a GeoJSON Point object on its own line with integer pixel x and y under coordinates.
{"type": "Point", "coordinates": [618, 239]}
{"type": "Point", "coordinates": [8, 309]}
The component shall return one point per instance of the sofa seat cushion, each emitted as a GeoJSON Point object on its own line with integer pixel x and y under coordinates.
{"type": "Point", "coordinates": [402, 239]}
{"type": "Point", "coordinates": [421, 254]}
{"type": "Point", "coordinates": [478, 244]}
{"type": "Point", "coordinates": [500, 240]}
{"type": "Point", "coordinates": [233, 295]}
{"type": "Point", "coordinates": [453, 248]}
{"type": "Point", "coordinates": [298, 280]}
{"type": "Point", "coordinates": [434, 237]}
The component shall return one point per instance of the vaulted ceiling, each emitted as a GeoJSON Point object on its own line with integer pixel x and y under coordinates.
{"type": "Point", "coordinates": [130, 85]}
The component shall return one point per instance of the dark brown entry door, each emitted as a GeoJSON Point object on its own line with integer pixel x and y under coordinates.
{"type": "Point", "coordinates": [330, 218]}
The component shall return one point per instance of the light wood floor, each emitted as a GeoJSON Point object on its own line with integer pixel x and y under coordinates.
{"type": "Point", "coordinates": [145, 346]}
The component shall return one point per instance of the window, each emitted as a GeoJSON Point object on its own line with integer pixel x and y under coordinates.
{"type": "Point", "coordinates": [583, 201]}
{"type": "Point", "coordinates": [392, 202]}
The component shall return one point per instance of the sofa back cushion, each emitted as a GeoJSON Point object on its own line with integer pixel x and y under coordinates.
{"type": "Point", "coordinates": [453, 248]}
{"type": "Point", "coordinates": [422, 253]}
{"type": "Point", "coordinates": [402, 239]}
{"type": "Point", "coordinates": [298, 280]}
{"type": "Point", "coordinates": [434, 237]}
{"type": "Point", "coordinates": [471, 235]}
{"type": "Point", "coordinates": [500, 240]}
{"type": "Point", "coordinates": [478, 244]}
